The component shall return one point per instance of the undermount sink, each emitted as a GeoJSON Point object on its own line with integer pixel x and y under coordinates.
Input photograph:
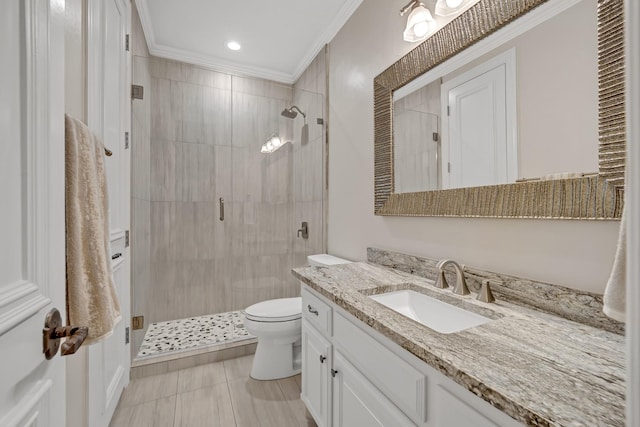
{"type": "Point", "coordinates": [432, 313]}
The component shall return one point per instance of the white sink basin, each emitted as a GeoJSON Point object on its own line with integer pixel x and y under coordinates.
{"type": "Point", "coordinates": [432, 313]}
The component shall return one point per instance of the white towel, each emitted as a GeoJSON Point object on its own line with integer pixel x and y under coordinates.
{"type": "Point", "coordinates": [91, 295]}
{"type": "Point", "coordinates": [615, 294]}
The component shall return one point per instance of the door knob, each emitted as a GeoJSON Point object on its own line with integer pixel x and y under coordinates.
{"type": "Point", "coordinates": [53, 332]}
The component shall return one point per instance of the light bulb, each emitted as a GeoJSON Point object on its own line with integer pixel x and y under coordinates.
{"type": "Point", "coordinates": [420, 29]}
{"type": "Point", "coordinates": [233, 45]}
{"type": "Point", "coordinates": [419, 24]}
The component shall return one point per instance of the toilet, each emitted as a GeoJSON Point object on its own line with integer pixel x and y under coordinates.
{"type": "Point", "coordinates": [278, 325]}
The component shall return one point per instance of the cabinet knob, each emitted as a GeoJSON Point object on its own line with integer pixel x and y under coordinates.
{"type": "Point", "coordinates": [312, 310]}
{"type": "Point", "coordinates": [322, 358]}
{"type": "Point", "coordinates": [334, 372]}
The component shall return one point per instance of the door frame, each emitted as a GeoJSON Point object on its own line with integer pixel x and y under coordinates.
{"type": "Point", "coordinates": [79, 377]}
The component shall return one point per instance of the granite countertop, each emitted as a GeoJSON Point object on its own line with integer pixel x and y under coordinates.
{"type": "Point", "coordinates": [540, 369]}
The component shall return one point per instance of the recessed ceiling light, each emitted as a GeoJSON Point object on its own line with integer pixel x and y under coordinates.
{"type": "Point", "coordinates": [233, 45]}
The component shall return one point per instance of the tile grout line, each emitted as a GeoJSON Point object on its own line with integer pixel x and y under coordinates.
{"type": "Point", "coordinates": [233, 411]}
{"type": "Point", "coordinates": [175, 405]}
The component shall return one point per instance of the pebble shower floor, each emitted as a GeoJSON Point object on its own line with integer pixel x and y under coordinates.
{"type": "Point", "coordinates": [193, 332]}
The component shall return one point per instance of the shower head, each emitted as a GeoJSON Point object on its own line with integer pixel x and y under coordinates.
{"type": "Point", "coordinates": [290, 114]}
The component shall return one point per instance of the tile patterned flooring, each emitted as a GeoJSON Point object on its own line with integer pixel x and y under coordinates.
{"type": "Point", "coordinates": [219, 394]}
{"type": "Point", "coordinates": [200, 331]}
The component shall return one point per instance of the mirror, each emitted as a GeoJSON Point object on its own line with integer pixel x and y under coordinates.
{"type": "Point", "coordinates": [521, 137]}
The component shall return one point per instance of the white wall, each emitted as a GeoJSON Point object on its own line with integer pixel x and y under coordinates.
{"type": "Point", "coordinates": [577, 254]}
{"type": "Point", "coordinates": [75, 75]}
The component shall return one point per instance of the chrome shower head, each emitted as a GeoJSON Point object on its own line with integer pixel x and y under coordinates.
{"type": "Point", "coordinates": [291, 114]}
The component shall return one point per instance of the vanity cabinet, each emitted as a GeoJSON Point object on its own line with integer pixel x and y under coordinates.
{"type": "Point", "coordinates": [354, 376]}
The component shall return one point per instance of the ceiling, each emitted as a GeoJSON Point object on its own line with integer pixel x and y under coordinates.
{"type": "Point", "coordinates": [279, 38]}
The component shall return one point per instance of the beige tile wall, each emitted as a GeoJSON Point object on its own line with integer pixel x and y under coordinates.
{"type": "Point", "coordinates": [309, 165]}
{"type": "Point", "coordinates": [206, 132]}
{"type": "Point", "coordinates": [197, 137]}
{"type": "Point", "coordinates": [140, 179]}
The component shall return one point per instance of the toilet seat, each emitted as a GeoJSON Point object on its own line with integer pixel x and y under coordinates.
{"type": "Point", "coordinates": [275, 310]}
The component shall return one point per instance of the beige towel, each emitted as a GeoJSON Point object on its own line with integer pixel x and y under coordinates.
{"type": "Point", "coordinates": [91, 295]}
{"type": "Point", "coordinates": [615, 294]}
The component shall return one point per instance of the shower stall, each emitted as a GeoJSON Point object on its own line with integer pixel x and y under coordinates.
{"type": "Point", "coordinates": [215, 219]}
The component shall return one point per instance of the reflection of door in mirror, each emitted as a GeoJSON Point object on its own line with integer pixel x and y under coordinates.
{"type": "Point", "coordinates": [478, 110]}
{"type": "Point", "coordinates": [551, 124]}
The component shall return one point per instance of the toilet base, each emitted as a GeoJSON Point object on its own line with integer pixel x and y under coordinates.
{"type": "Point", "coordinates": [273, 360]}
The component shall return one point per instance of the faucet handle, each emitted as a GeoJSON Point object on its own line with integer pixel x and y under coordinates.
{"type": "Point", "coordinates": [485, 294]}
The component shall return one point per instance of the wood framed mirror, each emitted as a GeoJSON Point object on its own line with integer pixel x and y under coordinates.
{"type": "Point", "coordinates": [596, 196]}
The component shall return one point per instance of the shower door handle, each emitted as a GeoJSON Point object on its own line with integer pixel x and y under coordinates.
{"type": "Point", "coordinates": [221, 209]}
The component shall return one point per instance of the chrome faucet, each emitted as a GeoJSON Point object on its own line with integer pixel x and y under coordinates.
{"type": "Point", "coordinates": [461, 284]}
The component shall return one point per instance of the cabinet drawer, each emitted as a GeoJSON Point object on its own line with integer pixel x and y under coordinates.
{"type": "Point", "coordinates": [404, 385]}
{"type": "Point", "coordinates": [316, 311]}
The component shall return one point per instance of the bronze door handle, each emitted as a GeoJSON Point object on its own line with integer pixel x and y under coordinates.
{"type": "Point", "coordinates": [53, 332]}
{"type": "Point", "coordinates": [75, 337]}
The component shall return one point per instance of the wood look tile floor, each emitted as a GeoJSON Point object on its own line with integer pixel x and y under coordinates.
{"type": "Point", "coordinates": [219, 394]}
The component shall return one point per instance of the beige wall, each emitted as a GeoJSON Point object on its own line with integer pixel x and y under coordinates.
{"type": "Point", "coordinates": [578, 254]}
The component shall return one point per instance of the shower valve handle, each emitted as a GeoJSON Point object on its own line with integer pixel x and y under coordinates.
{"type": "Point", "coordinates": [304, 230]}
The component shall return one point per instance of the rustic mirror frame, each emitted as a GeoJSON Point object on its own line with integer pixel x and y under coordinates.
{"type": "Point", "coordinates": [594, 197]}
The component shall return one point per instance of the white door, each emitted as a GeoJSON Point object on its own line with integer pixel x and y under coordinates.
{"type": "Point", "coordinates": [356, 402]}
{"type": "Point", "coordinates": [32, 248]}
{"type": "Point", "coordinates": [316, 360]}
{"type": "Point", "coordinates": [478, 144]}
{"type": "Point", "coordinates": [108, 116]}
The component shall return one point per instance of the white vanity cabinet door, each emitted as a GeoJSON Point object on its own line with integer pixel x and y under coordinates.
{"type": "Point", "coordinates": [454, 411]}
{"type": "Point", "coordinates": [357, 402]}
{"type": "Point", "coordinates": [316, 365]}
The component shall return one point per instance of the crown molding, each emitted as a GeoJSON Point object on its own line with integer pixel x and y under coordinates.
{"type": "Point", "coordinates": [226, 66]}
{"type": "Point", "coordinates": [329, 33]}
{"type": "Point", "coordinates": [221, 65]}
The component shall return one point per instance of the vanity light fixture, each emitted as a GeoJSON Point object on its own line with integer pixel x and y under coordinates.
{"type": "Point", "coordinates": [420, 22]}
{"type": "Point", "coordinates": [233, 45]}
{"type": "Point", "coordinates": [450, 7]}
{"type": "Point", "coordinates": [272, 144]}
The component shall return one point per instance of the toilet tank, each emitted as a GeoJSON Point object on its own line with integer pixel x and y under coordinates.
{"type": "Point", "coordinates": [325, 260]}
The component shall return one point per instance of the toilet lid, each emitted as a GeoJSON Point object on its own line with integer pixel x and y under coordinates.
{"type": "Point", "coordinates": [275, 310]}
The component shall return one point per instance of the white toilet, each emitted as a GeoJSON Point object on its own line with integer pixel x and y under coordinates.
{"type": "Point", "coordinates": [278, 325]}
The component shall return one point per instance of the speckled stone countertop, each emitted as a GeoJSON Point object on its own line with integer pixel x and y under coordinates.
{"type": "Point", "coordinates": [540, 369]}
